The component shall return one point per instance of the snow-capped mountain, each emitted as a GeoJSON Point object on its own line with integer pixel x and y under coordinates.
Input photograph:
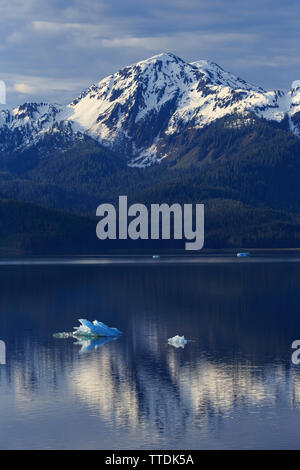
{"type": "Point", "coordinates": [137, 110]}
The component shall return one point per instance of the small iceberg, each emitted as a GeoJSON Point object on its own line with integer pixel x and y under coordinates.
{"type": "Point", "coordinates": [155, 256]}
{"type": "Point", "coordinates": [95, 328]}
{"type": "Point", "coordinates": [87, 329]}
{"type": "Point", "coordinates": [178, 341]}
{"type": "Point", "coordinates": [243, 254]}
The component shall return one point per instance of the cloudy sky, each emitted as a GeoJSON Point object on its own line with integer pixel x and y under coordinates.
{"type": "Point", "coordinates": [52, 49]}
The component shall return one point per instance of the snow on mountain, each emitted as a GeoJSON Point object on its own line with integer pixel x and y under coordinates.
{"type": "Point", "coordinates": [135, 110]}
{"type": "Point", "coordinates": [27, 124]}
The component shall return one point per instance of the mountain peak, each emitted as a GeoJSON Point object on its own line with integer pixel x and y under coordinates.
{"type": "Point", "coordinates": [164, 60]}
{"type": "Point", "coordinates": [162, 56]}
{"type": "Point", "coordinates": [139, 109]}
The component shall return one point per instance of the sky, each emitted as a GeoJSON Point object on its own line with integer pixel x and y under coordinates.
{"type": "Point", "coordinates": [51, 50]}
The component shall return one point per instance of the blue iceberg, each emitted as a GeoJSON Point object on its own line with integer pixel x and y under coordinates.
{"type": "Point", "coordinates": [95, 328]}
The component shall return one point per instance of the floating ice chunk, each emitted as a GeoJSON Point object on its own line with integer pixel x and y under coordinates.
{"type": "Point", "coordinates": [178, 341]}
{"type": "Point", "coordinates": [95, 328]}
{"type": "Point", "coordinates": [90, 331]}
{"type": "Point", "coordinates": [63, 335]}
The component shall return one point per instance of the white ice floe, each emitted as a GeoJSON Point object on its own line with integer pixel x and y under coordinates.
{"type": "Point", "coordinates": [178, 341]}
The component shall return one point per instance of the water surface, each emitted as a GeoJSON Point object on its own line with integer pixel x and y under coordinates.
{"type": "Point", "coordinates": [233, 387]}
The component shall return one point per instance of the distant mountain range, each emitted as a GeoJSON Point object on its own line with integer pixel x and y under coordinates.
{"type": "Point", "coordinates": [164, 130]}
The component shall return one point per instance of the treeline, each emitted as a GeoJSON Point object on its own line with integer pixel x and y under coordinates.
{"type": "Point", "coordinates": [247, 173]}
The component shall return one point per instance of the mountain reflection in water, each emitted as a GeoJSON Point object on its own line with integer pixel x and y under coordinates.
{"type": "Point", "coordinates": [234, 386]}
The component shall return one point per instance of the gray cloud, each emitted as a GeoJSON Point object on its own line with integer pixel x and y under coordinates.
{"type": "Point", "coordinates": [52, 49]}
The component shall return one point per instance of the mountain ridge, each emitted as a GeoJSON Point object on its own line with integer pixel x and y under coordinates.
{"type": "Point", "coordinates": [137, 111]}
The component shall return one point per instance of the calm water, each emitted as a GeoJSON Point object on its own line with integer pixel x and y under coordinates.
{"type": "Point", "coordinates": [233, 387]}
